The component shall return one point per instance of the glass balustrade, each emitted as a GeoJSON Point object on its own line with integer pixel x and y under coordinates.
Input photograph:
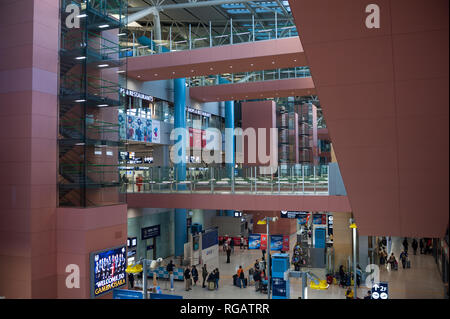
{"type": "Point", "coordinates": [246, 77]}
{"type": "Point", "coordinates": [285, 180]}
{"type": "Point", "coordinates": [134, 47]}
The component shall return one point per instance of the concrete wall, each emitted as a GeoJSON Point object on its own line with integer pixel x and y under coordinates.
{"type": "Point", "coordinates": [335, 183]}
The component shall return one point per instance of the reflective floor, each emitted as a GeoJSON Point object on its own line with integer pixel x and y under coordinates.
{"type": "Point", "coordinates": [421, 281]}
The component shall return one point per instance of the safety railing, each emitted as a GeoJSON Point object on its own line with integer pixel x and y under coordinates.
{"type": "Point", "coordinates": [95, 44]}
{"type": "Point", "coordinates": [255, 76]}
{"type": "Point", "coordinates": [231, 35]}
{"type": "Point", "coordinates": [95, 85]}
{"type": "Point", "coordinates": [285, 180]}
{"type": "Point", "coordinates": [89, 174]}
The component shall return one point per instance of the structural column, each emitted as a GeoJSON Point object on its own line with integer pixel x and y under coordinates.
{"type": "Point", "coordinates": [180, 165]}
{"type": "Point", "coordinates": [229, 143]}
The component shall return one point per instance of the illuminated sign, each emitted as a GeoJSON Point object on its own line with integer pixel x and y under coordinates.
{"type": "Point", "coordinates": [132, 93]}
{"type": "Point", "coordinates": [150, 232]}
{"type": "Point", "coordinates": [107, 270]}
{"type": "Point", "coordinates": [198, 112]}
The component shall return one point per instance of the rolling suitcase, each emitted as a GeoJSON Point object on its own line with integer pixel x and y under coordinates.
{"type": "Point", "coordinates": [408, 263]}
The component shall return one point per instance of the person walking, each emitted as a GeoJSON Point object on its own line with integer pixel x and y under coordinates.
{"type": "Point", "coordinates": [256, 265]}
{"type": "Point", "coordinates": [217, 277]}
{"type": "Point", "coordinates": [404, 258]}
{"type": "Point", "coordinates": [228, 254]}
{"type": "Point", "coordinates": [187, 278]}
{"type": "Point", "coordinates": [194, 273]}
{"type": "Point", "coordinates": [204, 275]}
{"type": "Point", "coordinates": [263, 254]}
{"type": "Point", "coordinates": [414, 245]}
{"type": "Point", "coordinates": [405, 244]}
{"type": "Point", "coordinates": [241, 277]}
{"type": "Point", "coordinates": [169, 269]}
{"type": "Point", "coordinates": [241, 244]}
{"type": "Point", "coordinates": [421, 244]}
{"type": "Point", "coordinates": [257, 279]}
{"type": "Point", "coordinates": [392, 262]}
{"type": "Point", "coordinates": [232, 244]}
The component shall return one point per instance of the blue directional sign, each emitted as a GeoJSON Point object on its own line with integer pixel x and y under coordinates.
{"type": "Point", "coordinates": [127, 294]}
{"type": "Point", "coordinates": [380, 290]}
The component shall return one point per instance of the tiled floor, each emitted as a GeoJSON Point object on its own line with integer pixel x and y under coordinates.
{"type": "Point", "coordinates": [421, 281]}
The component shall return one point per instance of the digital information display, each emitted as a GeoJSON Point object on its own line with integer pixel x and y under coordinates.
{"type": "Point", "coordinates": [107, 270]}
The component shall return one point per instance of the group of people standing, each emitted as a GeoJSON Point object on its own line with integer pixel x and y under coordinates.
{"type": "Point", "coordinates": [210, 278]}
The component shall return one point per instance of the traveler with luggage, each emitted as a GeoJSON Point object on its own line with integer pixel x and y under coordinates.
{"type": "Point", "coordinates": [241, 277]}
{"type": "Point", "coordinates": [257, 279]}
{"type": "Point", "coordinates": [393, 262]}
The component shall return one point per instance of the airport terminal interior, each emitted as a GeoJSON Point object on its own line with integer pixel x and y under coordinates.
{"type": "Point", "coordinates": [224, 149]}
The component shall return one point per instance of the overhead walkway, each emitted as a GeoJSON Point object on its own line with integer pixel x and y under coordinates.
{"type": "Point", "coordinates": [288, 188]}
{"type": "Point", "coordinates": [242, 57]}
{"type": "Point", "coordinates": [254, 90]}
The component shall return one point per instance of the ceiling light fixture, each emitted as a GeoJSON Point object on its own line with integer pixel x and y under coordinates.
{"type": "Point", "coordinates": [80, 58]}
{"type": "Point", "coordinates": [80, 101]}
{"type": "Point", "coordinates": [103, 26]}
{"type": "Point", "coordinates": [103, 65]}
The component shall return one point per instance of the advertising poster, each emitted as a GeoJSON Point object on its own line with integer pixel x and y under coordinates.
{"type": "Point", "coordinates": [122, 126]}
{"type": "Point", "coordinates": [276, 242]}
{"type": "Point", "coordinates": [285, 243]}
{"type": "Point", "coordinates": [156, 138]}
{"type": "Point", "coordinates": [317, 219]}
{"type": "Point", "coordinates": [264, 241]}
{"type": "Point", "coordinates": [107, 270]}
{"type": "Point", "coordinates": [303, 219]}
{"type": "Point", "coordinates": [254, 241]}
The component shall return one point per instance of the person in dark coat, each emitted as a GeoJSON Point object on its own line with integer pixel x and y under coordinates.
{"type": "Point", "coordinates": [204, 275]}
{"type": "Point", "coordinates": [194, 273]}
{"type": "Point", "coordinates": [422, 245]}
{"type": "Point", "coordinates": [131, 280]}
{"type": "Point", "coordinates": [405, 244]}
{"type": "Point", "coordinates": [414, 246]}
{"type": "Point", "coordinates": [228, 254]}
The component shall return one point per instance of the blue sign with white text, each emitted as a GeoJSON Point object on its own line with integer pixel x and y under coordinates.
{"type": "Point", "coordinates": [127, 294]}
{"type": "Point", "coordinates": [380, 291]}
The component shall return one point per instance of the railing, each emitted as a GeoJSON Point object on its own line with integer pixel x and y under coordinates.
{"type": "Point", "coordinates": [231, 35]}
{"type": "Point", "coordinates": [104, 48]}
{"type": "Point", "coordinates": [255, 76]}
{"type": "Point", "coordinates": [286, 180]}
{"type": "Point", "coordinates": [89, 174]}
{"type": "Point", "coordinates": [95, 85]}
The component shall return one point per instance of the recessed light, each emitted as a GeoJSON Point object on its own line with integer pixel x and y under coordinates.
{"type": "Point", "coordinates": [251, 64]}
{"type": "Point", "coordinates": [78, 144]}
{"type": "Point", "coordinates": [173, 72]}
{"type": "Point", "coordinates": [273, 62]}
{"type": "Point", "coordinates": [121, 71]}
{"type": "Point", "coordinates": [102, 105]}
{"type": "Point", "coordinates": [103, 65]}
{"type": "Point", "coordinates": [156, 74]}
{"type": "Point", "coordinates": [80, 101]}
{"type": "Point", "coordinates": [103, 26]}
{"type": "Point", "coordinates": [192, 70]}
{"type": "Point", "coordinates": [295, 60]}
{"type": "Point", "coordinates": [82, 16]}
{"type": "Point", "coordinates": [80, 58]}
{"type": "Point", "coordinates": [121, 34]}
{"type": "Point", "coordinates": [139, 76]}
{"type": "Point", "coordinates": [211, 69]}
{"type": "Point", "coordinates": [231, 66]}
